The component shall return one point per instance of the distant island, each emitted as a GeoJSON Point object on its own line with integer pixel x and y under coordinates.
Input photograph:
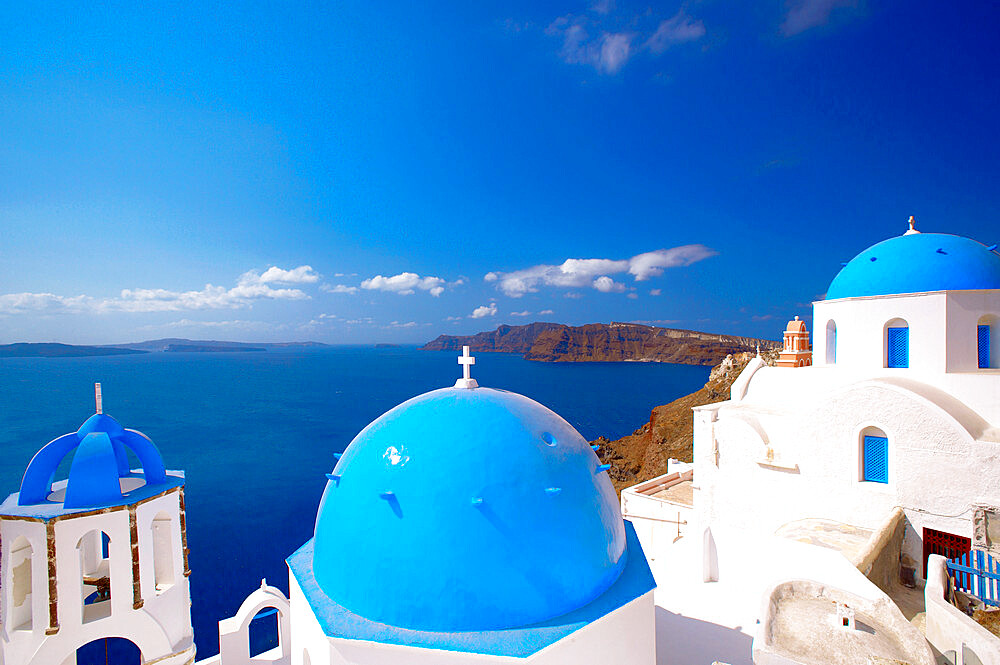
{"type": "Point", "coordinates": [615, 342]}
{"type": "Point", "coordinates": [55, 350]}
{"type": "Point", "coordinates": [169, 345]}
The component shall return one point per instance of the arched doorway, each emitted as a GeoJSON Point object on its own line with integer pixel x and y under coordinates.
{"type": "Point", "coordinates": [109, 651]}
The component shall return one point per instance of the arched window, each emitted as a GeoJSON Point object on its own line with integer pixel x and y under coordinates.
{"type": "Point", "coordinates": [897, 343]}
{"type": "Point", "coordinates": [831, 342]}
{"type": "Point", "coordinates": [874, 456]}
{"type": "Point", "coordinates": [264, 632]}
{"type": "Point", "coordinates": [987, 344]}
{"type": "Point", "coordinates": [163, 554]}
{"type": "Point", "coordinates": [19, 597]}
{"type": "Point", "coordinates": [95, 570]}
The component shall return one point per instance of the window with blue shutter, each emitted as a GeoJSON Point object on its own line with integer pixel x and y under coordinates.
{"type": "Point", "coordinates": [876, 459]}
{"type": "Point", "coordinates": [897, 347]}
{"type": "Point", "coordinates": [984, 346]}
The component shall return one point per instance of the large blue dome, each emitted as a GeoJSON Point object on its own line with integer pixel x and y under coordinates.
{"type": "Point", "coordinates": [468, 510]}
{"type": "Point", "coordinates": [916, 263]}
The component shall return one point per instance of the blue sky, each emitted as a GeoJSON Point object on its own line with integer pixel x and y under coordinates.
{"type": "Point", "coordinates": [360, 172]}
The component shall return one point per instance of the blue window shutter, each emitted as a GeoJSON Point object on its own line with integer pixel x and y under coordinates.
{"type": "Point", "coordinates": [897, 347]}
{"type": "Point", "coordinates": [984, 346]}
{"type": "Point", "coordinates": [876, 459]}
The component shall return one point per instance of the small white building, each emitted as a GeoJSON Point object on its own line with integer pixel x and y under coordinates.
{"type": "Point", "coordinates": [100, 554]}
{"type": "Point", "coordinates": [878, 452]}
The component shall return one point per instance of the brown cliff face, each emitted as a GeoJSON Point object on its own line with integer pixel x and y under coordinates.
{"type": "Point", "coordinates": [643, 454]}
{"type": "Point", "coordinates": [614, 342]}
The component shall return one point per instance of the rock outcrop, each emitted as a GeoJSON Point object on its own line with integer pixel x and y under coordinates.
{"type": "Point", "coordinates": [615, 342]}
{"type": "Point", "coordinates": [643, 454]}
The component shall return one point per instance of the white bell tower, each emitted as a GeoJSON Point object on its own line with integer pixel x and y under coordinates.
{"type": "Point", "coordinates": [100, 554]}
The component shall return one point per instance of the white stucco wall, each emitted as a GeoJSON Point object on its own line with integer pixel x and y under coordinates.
{"type": "Point", "coordinates": [625, 635]}
{"type": "Point", "coordinates": [813, 420]}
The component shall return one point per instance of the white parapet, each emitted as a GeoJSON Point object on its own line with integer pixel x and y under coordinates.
{"type": "Point", "coordinates": [950, 631]}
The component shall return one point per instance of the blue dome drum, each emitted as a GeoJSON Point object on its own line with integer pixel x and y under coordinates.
{"type": "Point", "coordinates": [468, 510]}
{"type": "Point", "coordinates": [918, 263]}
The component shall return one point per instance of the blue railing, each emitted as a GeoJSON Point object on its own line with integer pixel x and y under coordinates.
{"type": "Point", "coordinates": [977, 574]}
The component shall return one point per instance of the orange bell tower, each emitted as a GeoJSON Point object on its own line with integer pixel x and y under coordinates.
{"type": "Point", "coordinates": [797, 351]}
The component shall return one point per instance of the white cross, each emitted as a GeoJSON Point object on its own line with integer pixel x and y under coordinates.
{"type": "Point", "coordinates": [466, 361]}
{"type": "Point", "coordinates": [97, 397]}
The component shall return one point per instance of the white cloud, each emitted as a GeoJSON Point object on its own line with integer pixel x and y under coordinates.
{"type": "Point", "coordinates": [580, 273]}
{"type": "Point", "coordinates": [399, 324]}
{"type": "Point", "coordinates": [339, 288]}
{"type": "Point", "coordinates": [545, 311]}
{"type": "Point", "coordinates": [17, 303]}
{"type": "Point", "coordinates": [606, 40]}
{"type": "Point", "coordinates": [274, 274]}
{"type": "Point", "coordinates": [524, 313]}
{"type": "Point", "coordinates": [405, 283]}
{"type": "Point", "coordinates": [251, 286]}
{"type": "Point", "coordinates": [805, 14]}
{"type": "Point", "coordinates": [605, 284]}
{"type": "Point", "coordinates": [484, 311]}
{"type": "Point", "coordinates": [652, 264]}
{"type": "Point", "coordinates": [655, 292]}
{"type": "Point", "coordinates": [632, 296]}
{"type": "Point", "coordinates": [453, 318]}
{"type": "Point", "coordinates": [607, 52]}
{"type": "Point", "coordinates": [676, 30]}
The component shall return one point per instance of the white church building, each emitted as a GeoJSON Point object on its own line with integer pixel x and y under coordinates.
{"type": "Point", "coordinates": [825, 489]}
{"type": "Point", "coordinates": [813, 525]}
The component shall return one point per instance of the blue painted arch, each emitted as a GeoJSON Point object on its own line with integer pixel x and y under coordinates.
{"type": "Point", "coordinates": [100, 461]}
{"type": "Point", "coordinates": [918, 263]}
{"type": "Point", "coordinates": [465, 510]}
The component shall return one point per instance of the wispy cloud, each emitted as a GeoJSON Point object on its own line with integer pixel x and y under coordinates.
{"type": "Point", "coordinates": [524, 313]}
{"type": "Point", "coordinates": [405, 283]}
{"type": "Point", "coordinates": [250, 286]}
{"type": "Point", "coordinates": [655, 292]}
{"type": "Point", "coordinates": [338, 288]}
{"type": "Point", "coordinates": [483, 311]}
{"type": "Point", "coordinates": [607, 52]}
{"type": "Point", "coordinates": [676, 30]}
{"type": "Point", "coordinates": [607, 41]}
{"type": "Point", "coordinates": [545, 312]}
{"type": "Point", "coordinates": [595, 273]}
{"type": "Point", "coordinates": [237, 324]}
{"type": "Point", "coordinates": [805, 14]}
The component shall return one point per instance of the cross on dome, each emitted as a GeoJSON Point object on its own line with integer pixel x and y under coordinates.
{"type": "Point", "coordinates": [466, 361]}
{"type": "Point", "coordinates": [912, 230]}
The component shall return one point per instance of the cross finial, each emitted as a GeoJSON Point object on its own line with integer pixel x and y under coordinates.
{"type": "Point", "coordinates": [912, 228]}
{"type": "Point", "coordinates": [97, 398]}
{"type": "Point", "coordinates": [466, 361]}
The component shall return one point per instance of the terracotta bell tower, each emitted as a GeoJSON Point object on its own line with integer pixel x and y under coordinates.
{"type": "Point", "coordinates": [797, 352]}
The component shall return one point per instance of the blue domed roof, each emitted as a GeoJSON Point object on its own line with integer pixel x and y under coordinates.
{"type": "Point", "coordinates": [464, 510]}
{"type": "Point", "coordinates": [916, 263]}
{"type": "Point", "coordinates": [99, 464]}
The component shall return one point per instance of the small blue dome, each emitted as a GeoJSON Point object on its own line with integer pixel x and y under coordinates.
{"type": "Point", "coordinates": [917, 263]}
{"type": "Point", "coordinates": [468, 510]}
{"type": "Point", "coordinates": [99, 464]}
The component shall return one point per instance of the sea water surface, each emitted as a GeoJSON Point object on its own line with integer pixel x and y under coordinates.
{"type": "Point", "coordinates": [256, 432]}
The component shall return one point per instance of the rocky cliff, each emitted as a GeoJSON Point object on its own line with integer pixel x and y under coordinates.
{"type": "Point", "coordinates": [554, 342]}
{"type": "Point", "coordinates": [643, 454]}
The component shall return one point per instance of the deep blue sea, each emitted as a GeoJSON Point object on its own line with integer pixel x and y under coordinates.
{"type": "Point", "coordinates": [256, 432]}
